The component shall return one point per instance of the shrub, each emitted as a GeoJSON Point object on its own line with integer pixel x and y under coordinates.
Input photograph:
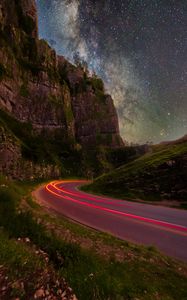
{"type": "Point", "coordinates": [2, 71]}
{"type": "Point", "coordinates": [29, 49]}
{"type": "Point", "coordinates": [97, 84]}
{"type": "Point", "coordinates": [121, 156]}
{"type": "Point", "coordinates": [101, 97]}
{"type": "Point", "coordinates": [24, 90]}
{"type": "Point", "coordinates": [63, 72]}
{"type": "Point", "coordinates": [34, 68]}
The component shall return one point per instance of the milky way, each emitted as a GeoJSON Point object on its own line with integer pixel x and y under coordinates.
{"type": "Point", "coordinates": [138, 47]}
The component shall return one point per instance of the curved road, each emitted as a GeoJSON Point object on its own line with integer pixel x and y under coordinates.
{"type": "Point", "coordinates": [163, 227]}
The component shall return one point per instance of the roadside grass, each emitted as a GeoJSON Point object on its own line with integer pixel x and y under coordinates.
{"type": "Point", "coordinates": [140, 272]}
{"type": "Point", "coordinates": [17, 258]}
{"type": "Point", "coordinates": [123, 271]}
{"type": "Point", "coordinates": [131, 180]}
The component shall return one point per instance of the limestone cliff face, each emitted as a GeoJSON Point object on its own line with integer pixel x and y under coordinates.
{"type": "Point", "coordinates": [45, 90]}
{"type": "Point", "coordinates": [13, 165]}
{"type": "Point", "coordinates": [20, 14]}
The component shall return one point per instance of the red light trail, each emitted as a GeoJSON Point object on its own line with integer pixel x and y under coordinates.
{"type": "Point", "coordinates": [55, 190]}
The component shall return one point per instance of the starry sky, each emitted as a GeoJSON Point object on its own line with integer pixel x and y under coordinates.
{"type": "Point", "coordinates": [139, 49]}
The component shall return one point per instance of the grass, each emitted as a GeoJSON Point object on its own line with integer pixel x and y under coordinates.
{"type": "Point", "coordinates": [17, 258]}
{"type": "Point", "coordinates": [93, 273]}
{"type": "Point", "coordinates": [20, 267]}
{"type": "Point", "coordinates": [146, 177]}
{"type": "Point", "coordinates": [152, 159]}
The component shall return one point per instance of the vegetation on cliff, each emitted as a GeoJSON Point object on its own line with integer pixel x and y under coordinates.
{"type": "Point", "coordinates": [55, 107]}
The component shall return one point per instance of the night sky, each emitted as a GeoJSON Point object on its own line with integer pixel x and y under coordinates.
{"type": "Point", "coordinates": [138, 47]}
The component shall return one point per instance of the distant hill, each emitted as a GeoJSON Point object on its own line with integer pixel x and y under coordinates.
{"type": "Point", "coordinates": [159, 174]}
{"type": "Point", "coordinates": [178, 141]}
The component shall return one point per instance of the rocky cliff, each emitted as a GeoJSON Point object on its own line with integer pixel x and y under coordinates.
{"type": "Point", "coordinates": [38, 87]}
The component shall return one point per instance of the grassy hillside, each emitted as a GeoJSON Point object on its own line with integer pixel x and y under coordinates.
{"type": "Point", "coordinates": [159, 174]}
{"type": "Point", "coordinates": [96, 265]}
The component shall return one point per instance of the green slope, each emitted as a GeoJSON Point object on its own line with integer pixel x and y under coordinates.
{"type": "Point", "coordinates": [159, 174]}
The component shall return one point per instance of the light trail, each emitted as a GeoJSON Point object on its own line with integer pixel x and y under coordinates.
{"type": "Point", "coordinates": [87, 197]}
{"type": "Point", "coordinates": [58, 192]}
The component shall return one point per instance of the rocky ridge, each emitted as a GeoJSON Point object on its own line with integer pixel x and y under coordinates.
{"type": "Point", "coordinates": [43, 89]}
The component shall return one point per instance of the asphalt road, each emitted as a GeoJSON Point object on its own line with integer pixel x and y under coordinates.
{"type": "Point", "coordinates": [163, 227]}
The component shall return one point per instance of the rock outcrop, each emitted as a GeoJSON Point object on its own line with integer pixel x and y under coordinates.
{"type": "Point", "coordinates": [13, 165]}
{"type": "Point", "coordinates": [45, 90]}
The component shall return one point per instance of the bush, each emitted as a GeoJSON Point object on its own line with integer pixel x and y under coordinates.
{"type": "Point", "coordinates": [2, 71]}
{"type": "Point", "coordinates": [24, 91]}
{"type": "Point", "coordinates": [97, 84]}
{"type": "Point", "coordinates": [34, 68]}
{"type": "Point", "coordinates": [29, 49]}
{"type": "Point", "coordinates": [63, 72]}
{"type": "Point", "coordinates": [121, 156]}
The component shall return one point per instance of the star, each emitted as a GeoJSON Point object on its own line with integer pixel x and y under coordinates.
{"type": "Point", "coordinates": [139, 50]}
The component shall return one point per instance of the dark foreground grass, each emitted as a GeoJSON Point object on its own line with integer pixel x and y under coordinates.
{"type": "Point", "coordinates": [19, 269]}
{"type": "Point", "coordinates": [92, 276]}
{"type": "Point", "coordinates": [17, 258]}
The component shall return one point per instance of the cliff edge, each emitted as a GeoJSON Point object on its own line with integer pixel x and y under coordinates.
{"type": "Point", "coordinates": [38, 87]}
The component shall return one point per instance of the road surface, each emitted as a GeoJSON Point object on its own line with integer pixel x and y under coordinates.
{"type": "Point", "coordinates": [162, 227]}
